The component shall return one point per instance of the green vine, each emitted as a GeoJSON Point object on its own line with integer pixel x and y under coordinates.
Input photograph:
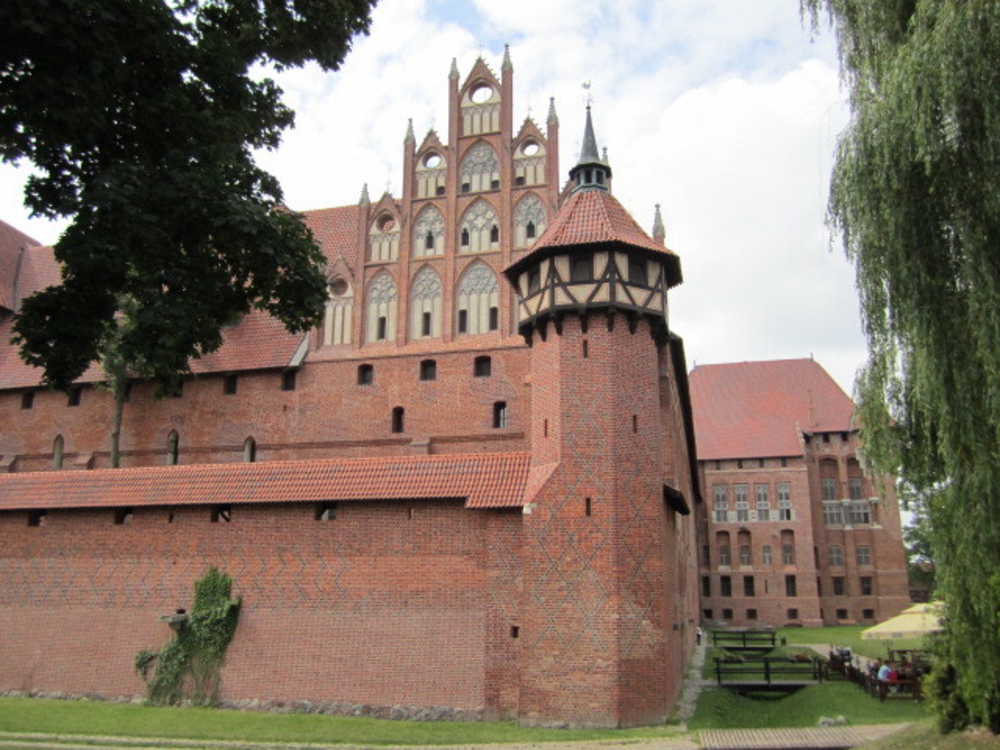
{"type": "Point", "coordinates": [189, 667]}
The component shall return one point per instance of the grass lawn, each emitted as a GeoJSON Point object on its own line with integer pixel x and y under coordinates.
{"type": "Point", "coordinates": [719, 708]}
{"type": "Point", "coordinates": [850, 636]}
{"type": "Point", "coordinates": [923, 736]}
{"type": "Point", "coordinates": [82, 717]}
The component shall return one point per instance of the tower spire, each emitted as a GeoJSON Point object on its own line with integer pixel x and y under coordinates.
{"type": "Point", "coordinates": [506, 65]}
{"type": "Point", "coordinates": [409, 132]}
{"type": "Point", "coordinates": [591, 172]}
{"type": "Point", "coordinates": [589, 153]}
{"type": "Point", "coordinates": [453, 73]}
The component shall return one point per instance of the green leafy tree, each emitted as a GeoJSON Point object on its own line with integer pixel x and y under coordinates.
{"type": "Point", "coordinates": [918, 537]}
{"type": "Point", "coordinates": [916, 197]}
{"type": "Point", "coordinates": [141, 117]}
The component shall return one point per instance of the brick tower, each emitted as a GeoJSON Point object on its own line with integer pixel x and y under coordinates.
{"type": "Point", "coordinates": [605, 572]}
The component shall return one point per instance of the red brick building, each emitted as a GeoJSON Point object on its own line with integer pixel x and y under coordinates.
{"type": "Point", "coordinates": [468, 491]}
{"type": "Point", "coordinates": [793, 531]}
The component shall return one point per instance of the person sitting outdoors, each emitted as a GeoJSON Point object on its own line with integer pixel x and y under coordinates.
{"type": "Point", "coordinates": [884, 671]}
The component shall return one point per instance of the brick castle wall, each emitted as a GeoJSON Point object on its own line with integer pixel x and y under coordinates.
{"type": "Point", "coordinates": [390, 603]}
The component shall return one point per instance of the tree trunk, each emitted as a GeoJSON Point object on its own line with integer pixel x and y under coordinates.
{"type": "Point", "coordinates": [120, 391]}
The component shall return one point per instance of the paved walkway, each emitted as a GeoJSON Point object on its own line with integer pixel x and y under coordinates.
{"type": "Point", "coordinates": [820, 738]}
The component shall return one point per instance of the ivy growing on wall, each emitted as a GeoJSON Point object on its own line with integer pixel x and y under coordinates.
{"type": "Point", "coordinates": [189, 667]}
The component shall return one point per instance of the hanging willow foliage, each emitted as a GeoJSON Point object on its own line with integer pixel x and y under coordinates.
{"type": "Point", "coordinates": [915, 196]}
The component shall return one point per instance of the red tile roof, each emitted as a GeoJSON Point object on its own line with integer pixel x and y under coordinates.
{"type": "Point", "coordinates": [257, 342]}
{"type": "Point", "coordinates": [11, 242]}
{"type": "Point", "coordinates": [336, 230]}
{"type": "Point", "coordinates": [594, 217]}
{"type": "Point", "coordinates": [756, 409]}
{"type": "Point", "coordinates": [492, 480]}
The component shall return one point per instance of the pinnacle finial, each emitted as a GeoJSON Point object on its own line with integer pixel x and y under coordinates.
{"type": "Point", "coordinates": [604, 155]}
{"type": "Point", "coordinates": [659, 233]}
{"type": "Point", "coordinates": [553, 119]}
{"type": "Point", "coordinates": [409, 132]}
{"type": "Point", "coordinates": [453, 73]}
{"type": "Point", "coordinates": [364, 200]}
{"type": "Point", "coordinates": [507, 65]}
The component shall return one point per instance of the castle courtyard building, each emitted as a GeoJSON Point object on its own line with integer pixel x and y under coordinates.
{"type": "Point", "coordinates": [794, 531]}
{"type": "Point", "coordinates": [469, 492]}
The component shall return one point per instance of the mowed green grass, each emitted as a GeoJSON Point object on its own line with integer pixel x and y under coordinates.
{"type": "Point", "coordinates": [719, 708]}
{"type": "Point", "coordinates": [83, 717]}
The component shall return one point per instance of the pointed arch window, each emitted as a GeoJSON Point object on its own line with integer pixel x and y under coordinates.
{"type": "Point", "coordinates": [57, 452]}
{"type": "Point", "coordinates": [425, 321]}
{"type": "Point", "coordinates": [478, 300]}
{"type": "Point", "coordinates": [339, 308]}
{"type": "Point", "coordinates": [530, 220]}
{"type": "Point", "coordinates": [480, 169]}
{"type": "Point", "coordinates": [173, 448]}
{"type": "Point", "coordinates": [428, 233]}
{"type": "Point", "coordinates": [381, 309]}
{"type": "Point", "coordinates": [249, 451]}
{"type": "Point", "coordinates": [480, 230]}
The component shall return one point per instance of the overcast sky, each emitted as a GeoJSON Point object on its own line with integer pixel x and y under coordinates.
{"type": "Point", "coordinates": [725, 112]}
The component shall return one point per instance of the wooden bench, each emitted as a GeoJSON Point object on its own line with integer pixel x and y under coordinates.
{"type": "Point", "coordinates": [745, 640]}
{"type": "Point", "coordinates": [768, 674]}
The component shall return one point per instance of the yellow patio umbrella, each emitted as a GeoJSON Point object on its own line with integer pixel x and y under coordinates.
{"type": "Point", "coordinates": [916, 621]}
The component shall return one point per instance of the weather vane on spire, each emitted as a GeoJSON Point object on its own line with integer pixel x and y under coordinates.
{"type": "Point", "coordinates": [587, 95]}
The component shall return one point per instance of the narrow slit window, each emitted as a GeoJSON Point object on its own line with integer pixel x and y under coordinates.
{"type": "Point", "coordinates": [173, 443]}
{"type": "Point", "coordinates": [382, 328]}
{"type": "Point", "coordinates": [27, 399]}
{"type": "Point", "coordinates": [425, 324]}
{"type": "Point", "coordinates": [494, 318]}
{"type": "Point", "coordinates": [75, 393]}
{"type": "Point", "coordinates": [288, 378]}
{"type": "Point", "coordinates": [229, 384]}
{"type": "Point", "coordinates": [587, 506]}
{"type": "Point", "coordinates": [398, 416]}
{"type": "Point", "coordinates": [499, 414]}
{"type": "Point", "coordinates": [249, 451]}
{"type": "Point", "coordinates": [463, 321]}
{"type": "Point", "coordinates": [586, 349]}
{"type": "Point", "coordinates": [635, 423]}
